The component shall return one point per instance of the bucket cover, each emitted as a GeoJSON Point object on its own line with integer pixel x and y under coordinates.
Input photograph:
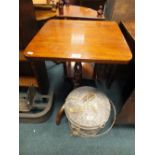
{"type": "Point", "coordinates": [87, 107]}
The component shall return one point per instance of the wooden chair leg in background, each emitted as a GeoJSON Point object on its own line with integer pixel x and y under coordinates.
{"type": "Point", "coordinates": [111, 75]}
{"type": "Point", "coordinates": [105, 72]}
{"type": "Point", "coordinates": [65, 69]}
{"type": "Point", "coordinates": [99, 72]}
{"type": "Point", "coordinates": [40, 72]}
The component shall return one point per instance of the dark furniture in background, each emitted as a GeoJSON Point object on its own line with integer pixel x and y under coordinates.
{"type": "Point", "coordinates": [127, 114]}
{"type": "Point", "coordinates": [128, 30]}
{"type": "Point", "coordinates": [123, 11]}
{"type": "Point", "coordinates": [30, 72]}
{"type": "Point", "coordinates": [94, 4]}
{"type": "Point", "coordinates": [27, 22]}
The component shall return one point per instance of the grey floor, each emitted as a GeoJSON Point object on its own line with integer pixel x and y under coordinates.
{"type": "Point", "coordinates": [49, 139]}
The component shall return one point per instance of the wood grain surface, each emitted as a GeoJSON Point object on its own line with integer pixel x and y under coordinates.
{"type": "Point", "coordinates": [27, 81]}
{"type": "Point", "coordinates": [78, 12]}
{"type": "Point", "coordinates": [43, 14]}
{"type": "Point", "coordinates": [87, 41]}
{"type": "Point", "coordinates": [69, 12]}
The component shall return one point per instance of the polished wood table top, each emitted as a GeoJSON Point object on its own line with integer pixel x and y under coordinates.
{"type": "Point", "coordinates": [130, 27]}
{"type": "Point", "coordinates": [35, 2]}
{"type": "Point", "coordinates": [43, 14]}
{"type": "Point", "coordinates": [69, 12]}
{"type": "Point", "coordinates": [74, 11]}
{"type": "Point", "coordinates": [39, 1]}
{"type": "Point", "coordinates": [74, 40]}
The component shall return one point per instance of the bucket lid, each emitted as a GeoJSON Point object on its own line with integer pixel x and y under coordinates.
{"type": "Point", "coordinates": [87, 107]}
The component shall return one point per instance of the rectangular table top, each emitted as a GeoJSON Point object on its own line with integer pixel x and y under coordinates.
{"type": "Point", "coordinates": [74, 40]}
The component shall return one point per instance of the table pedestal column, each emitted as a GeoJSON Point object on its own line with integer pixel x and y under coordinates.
{"type": "Point", "coordinates": [77, 74]}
